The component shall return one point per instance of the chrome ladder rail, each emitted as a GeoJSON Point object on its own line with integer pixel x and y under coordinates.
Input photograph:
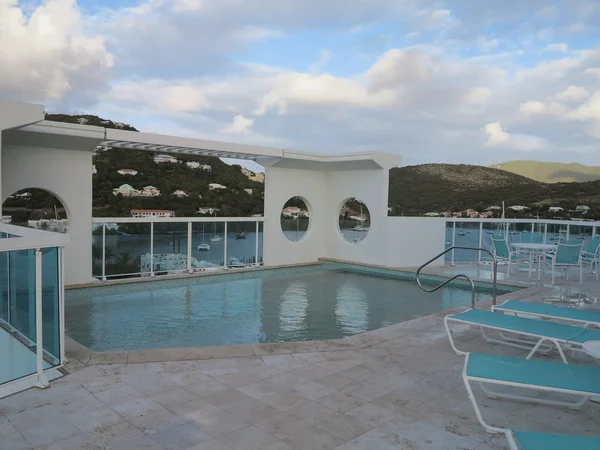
{"type": "Point", "coordinates": [460, 275]}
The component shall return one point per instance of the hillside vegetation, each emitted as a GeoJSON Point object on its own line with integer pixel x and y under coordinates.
{"type": "Point", "coordinates": [442, 187]}
{"type": "Point", "coordinates": [167, 177]}
{"type": "Point", "coordinates": [550, 172]}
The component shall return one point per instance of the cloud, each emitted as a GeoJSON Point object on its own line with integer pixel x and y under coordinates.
{"type": "Point", "coordinates": [497, 136]}
{"type": "Point", "coordinates": [572, 94]}
{"type": "Point", "coordinates": [49, 54]}
{"type": "Point", "coordinates": [558, 48]}
{"type": "Point", "coordinates": [240, 124]}
{"type": "Point", "coordinates": [399, 67]}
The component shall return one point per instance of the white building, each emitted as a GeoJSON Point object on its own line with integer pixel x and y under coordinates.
{"type": "Point", "coordinates": [555, 209]}
{"type": "Point", "coordinates": [432, 214]}
{"type": "Point", "coordinates": [248, 191]}
{"type": "Point", "coordinates": [206, 167]}
{"type": "Point", "coordinates": [126, 190]}
{"type": "Point", "coordinates": [518, 208]}
{"type": "Point", "coordinates": [56, 225]}
{"type": "Point", "coordinates": [207, 210]}
{"type": "Point", "coordinates": [161, 159]}
{"type": "Point", "coordinates": [291, 211]}
{"type": "Point", "coordinates": [131, 172]}
{"type": "Point", "coordinates": [82, 121]}
{"type": "Point", "coordinates": [582, 209]}
{"type": "Point", "coordinates": [6, 219]}
{"type": "Point", "coordinates": [181, 193]}
{"type": "Point", "coordinates": [152, 213]}
{"type": "Point", "coordinates": [150, 191]}
{"type": "Point", "coordinates": [216, 186]}
{"type": "Point", "coordinates": [193, 164]}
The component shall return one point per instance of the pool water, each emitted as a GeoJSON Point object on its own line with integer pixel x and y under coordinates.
{"type": "Point", "coordinates": [310, 303]}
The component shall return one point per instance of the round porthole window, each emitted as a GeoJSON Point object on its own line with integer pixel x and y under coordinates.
{"type": "Point", "coordinates": [354, 220]}
{"type": "Point", "coordinates": [295, 219]}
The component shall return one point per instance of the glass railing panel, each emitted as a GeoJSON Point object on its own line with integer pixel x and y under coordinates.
{"type": "Point", "coordinates": [170, 248]}
{"type": "Point", "coordinates": [50, 303]}
{"type": "Point", "coordinates": [581, 233]}
{"type": "Point", "coordinates": [467, 235]}
{"type": "Point", "coordinates": [448, 240]}
{"type": "Point", "coordinates": [4, 286]}
{"type": "Point", "coordinates": [556, 232]}
{"type": "Point", "coordinates": [128, 248]}
{"type": "Point", "coordinates": [208, 244]}
{"type": "Point", "coordinates": [97, 244]}
{"type": "Point", "coordinates": [241, 244]}
{"type": "Point", "coordinates": [260, 241]}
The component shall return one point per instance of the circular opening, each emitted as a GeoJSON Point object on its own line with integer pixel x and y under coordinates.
{"type": "Point", "coordinates": [35, 208]}
{"type": "Point", "coordinates": [295, 219]}
{"type": "Point", "coordinates": [354, 220]}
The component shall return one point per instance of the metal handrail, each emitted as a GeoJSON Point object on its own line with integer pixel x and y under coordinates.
{"type": "Point", "coordinates": [460, 275]}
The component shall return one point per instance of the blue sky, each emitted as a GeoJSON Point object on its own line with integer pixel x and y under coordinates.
{"type": "Point", "coordinates": [436, 81]}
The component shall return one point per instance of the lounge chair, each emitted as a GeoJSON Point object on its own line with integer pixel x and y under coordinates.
{"type": "Point", "coordinates": [582, 317]}
{"type": "Point", "coordinates": [531, 440]}
{"type": "Point", "coordinates": [536, 331]}
{"type": "Point", "coordinates": [547, 376]}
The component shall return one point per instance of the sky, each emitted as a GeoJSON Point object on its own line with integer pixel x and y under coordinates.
{"type": "Point", "coordinates": [461, 81]}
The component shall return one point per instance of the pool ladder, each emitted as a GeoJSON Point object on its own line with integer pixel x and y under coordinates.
{"type": "Point", "coordinates": [461, 275]}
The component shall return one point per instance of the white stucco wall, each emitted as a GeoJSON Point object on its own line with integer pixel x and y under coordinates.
{"type": "Point", "coordinates": [67, 174]}
{"type": "Point", "coordinates": [281, 184]}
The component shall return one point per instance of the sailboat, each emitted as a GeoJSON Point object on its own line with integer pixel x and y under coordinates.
{"type": "Point", "coordinates": [203, 247]}
{"type": "Point", "coordinates": [215, 238]}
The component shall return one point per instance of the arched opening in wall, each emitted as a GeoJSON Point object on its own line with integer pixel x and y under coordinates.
{"type": "Point", "coordinates": [36, 208]}
{"type": "Point", "coordinates": [295, 219]}
{"type": "Point", "coordinates": [354, 220]}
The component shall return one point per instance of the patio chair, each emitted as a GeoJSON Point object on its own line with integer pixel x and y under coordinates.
{"type": "Point", "coordinates": [532, 440]}
{"type": "Point", "coordinates": [568, 255]}
{"type": "Point", "coordinates": [591, 255]}
{"type": "Point", "coordinates": [531, 333]}
{"type": "Point", "coordinates": [546, 376]}
{"type": "Point", "coordinates": [581, 317]}
{"type": "Point", "coordinates": [502, 252]}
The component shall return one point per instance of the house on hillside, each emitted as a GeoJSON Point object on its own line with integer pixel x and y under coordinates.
{"type": "Point", "coordinates": [291, 211]}
{"type": "Point", "coordinates": [152, 213]}
{"type": "Point", "coordinates": [493, 208]}
{"type": "Point", "coordinates": [555, 209]}
{"type": "Point", "coordinates": [258, 177]}
{"type": "Point", "coordinates": [205, 167]}
{"type": "Point", "coordinates": [248, 191]}
{"type": "Point", "coordinates": [216, 186]}
{"type": "Point", "coordinates": [207, 210]}
{"type": "Point", "coordinates": [181, 193]}
{"type": "Point", "coordinates": [161, 159]}
{"type": "Point", "coordinates": [105, 122]}
{"type": "Point", "coordinates": [82, 121]}
{"type": "Point", "coordinates": [126, 190]}
{"type": "Point", "coordinates": [131, 172]}
{"type": "Point", "coordinates": [582, 209]}
{"type": "Point", "coordinates": [518, 208]}
{"type": "Point", "coordinates": [431, 214]}
{"type": "Point", "coordinates": [193, 164]}
{"type": "Point", "coordinates": [119, 125]}
{"type": "Point", "coordinates": [150, 191]}
{"type": "Point", "coordinates": [472, 213]}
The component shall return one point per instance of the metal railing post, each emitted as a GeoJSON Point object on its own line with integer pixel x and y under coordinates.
{"type": "Point", "coordinates": [453, 243]}
{"type": "Point", "coordinates": [42, 381]}
{"type": "Point", "coordinates": [256, 249]}
{"type": "Point", "coordinates": [568, 231]}
{"type": "Point", "coordinates": [189, 247]}
{"type": "Point", "coordinates": [480, 242]}
{"type": "Point", "coordinates": [225, 245]}
{"type": "Point", "coordinates": [61, 303]}
{"type": "Point", "coordinates": [151, 249]}
{"type": "Point", "coordinates": [103, 251]}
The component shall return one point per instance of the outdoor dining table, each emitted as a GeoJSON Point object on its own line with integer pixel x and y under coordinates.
{"type": "Point", "coordinates": [534, 250]}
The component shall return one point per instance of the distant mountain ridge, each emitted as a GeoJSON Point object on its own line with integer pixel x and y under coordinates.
{"type": "Point", "coordinates": [442, 187]}
{"type": "Point", "coordinates": [551, 172]}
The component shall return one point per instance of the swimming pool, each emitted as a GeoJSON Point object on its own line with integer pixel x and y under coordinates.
{"type": "Point", "coordinates": [280, 305]}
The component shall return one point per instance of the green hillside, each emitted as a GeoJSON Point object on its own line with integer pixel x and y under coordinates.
{"type": "Point", "coordinates": [441, 187]}
{"type": "Point", "coordinates": [167, 177]}
{"type": "Point", "coordinates": [549, 172]}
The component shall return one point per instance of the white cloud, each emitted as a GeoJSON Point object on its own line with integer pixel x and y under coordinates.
{"type": "Point", "coordinates": [240, 124]}
{"type": "Point", "coordinates": [592, 71]}
{"type": "Point", "coordinates": [497, 136]}
{"type": "Point", "coordinates": [572, 94]}
{"type": "Point", "coordinates": [322, 62]}
{"type": "Point", "coordinates": [557, 48]}
{"type": "Point", "coordinates": [49, 55]}
{"type": "Point", "coordinates": [399, 67]}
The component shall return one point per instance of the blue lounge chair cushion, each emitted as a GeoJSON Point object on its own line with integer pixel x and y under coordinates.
{"type": "Point", "coordinates": [534, 373]}
{"type": "Point", "coordinates": [530, 440]}
{"type": "Point", "coordinates": [551, 311]}
{"type": "Point", "coordinates": [533, 326]}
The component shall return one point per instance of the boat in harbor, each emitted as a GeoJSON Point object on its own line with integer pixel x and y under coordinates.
{"type": "Point", "coordinates": [203, 247]}
{"type": "Point", "coordinates": [241, 235]}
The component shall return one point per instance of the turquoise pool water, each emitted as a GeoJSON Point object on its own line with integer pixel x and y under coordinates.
{"type": "Point", "coordinates": [309, 303]}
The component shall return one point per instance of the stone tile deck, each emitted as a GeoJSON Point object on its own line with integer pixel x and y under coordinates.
{"type": "Point", "coordinates": [395, 388]}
